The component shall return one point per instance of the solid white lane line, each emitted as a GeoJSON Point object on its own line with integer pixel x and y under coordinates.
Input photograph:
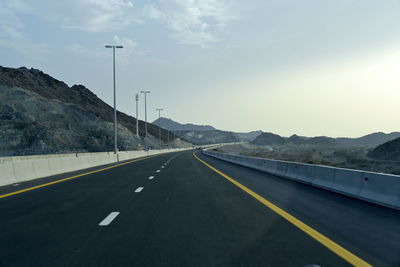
{"type": "Point", "coordinates": [151, 177]}
{"type": "Point", "coordinates": [138, 189]}
{"type": "Point", "coordinates": [157, 170]}
{"type": "Point", "coordinates": [109, 218]}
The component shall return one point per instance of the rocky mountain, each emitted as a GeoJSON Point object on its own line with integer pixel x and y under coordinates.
{"type": "Point", "coordinates": [39, 114]}
{"type": "Point", "coordinates": [321, 141]}
{"type": "Point", "coordinates": [208, 137]}
{"type": "Point", "coordinates": [250, 136]}
{"type": "Point", "coordinates": [269, 139]}
{"type": "Point", "coordinates": [204, 134]}
{"type": "Point", "coordinates": [387, 151]}
{"type": "Point", "coordinates": [370, 140]}
{"type": "Point", "coordinates": [173, 126]}
{"type": "Point", "coordinates": [296, 140]}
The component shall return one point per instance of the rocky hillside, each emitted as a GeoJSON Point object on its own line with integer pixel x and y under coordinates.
{"type": "Point", "coordinates": [208, 137]}
{"type": "Point", "coordinates": [39, 114]}
{"type": "Point", "coordinates": [387, 151]}
{"type": "Point", "coordinates": [173, 126]}
{"type": "Point", "coordinates": [250, 136]}
{"type": "Point", "coordinates": [204, 134]}
{"type": "Point", "coordinates": [370, 140]}
{"type": "Point", "coordinates": [269, 139]}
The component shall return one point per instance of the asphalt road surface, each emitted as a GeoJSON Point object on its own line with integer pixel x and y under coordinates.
{"type": "Point", "coordinates": [173, 210]}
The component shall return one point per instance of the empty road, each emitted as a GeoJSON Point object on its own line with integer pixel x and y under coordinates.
{"type": "Point", "coordinates": [185, 209]}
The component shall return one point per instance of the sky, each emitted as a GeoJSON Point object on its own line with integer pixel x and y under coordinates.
{"type": "Point", "coordinates": [307, 67]}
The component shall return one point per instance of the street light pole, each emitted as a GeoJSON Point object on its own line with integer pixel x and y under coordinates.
{"type": "Point", "coordinates": [137, 115]}
{"type": "Point", "coordinates": [145, 114]}
{"type": "Point", "coordinates": [159, 128]}
{"type": "Point", "coordinates": [168, 139]}
{"type": "Point", "coordinates": [115, 102]}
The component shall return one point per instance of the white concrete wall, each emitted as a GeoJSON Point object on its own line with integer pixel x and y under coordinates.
{"type": "Point", "coordinates": [24, 168]}
{"type": "Point", "coordinates": [382, 189]}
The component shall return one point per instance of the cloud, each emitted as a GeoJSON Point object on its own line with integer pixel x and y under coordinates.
{"type": "Point", "coordinates": [27, 48]}
{"type": "Point", "coordinates": [81, 50]}
{"type": "Point", "coordinates": [85, 15]}
{"type": "Point", "coordinates": [194, 22]}
{"type": "Point", "coordinates": [100, 15]}
{"type": "Point", "coordinates": [10, 24]}
{"type": "Point", "coordinates": [130, 47]}
{"type": "Point", "coordinates": [123, 55]}
{"type": "Point", "coordinates": [12, 34]}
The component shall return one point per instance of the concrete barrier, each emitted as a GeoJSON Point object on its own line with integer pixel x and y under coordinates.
{"type": "Point", "coordinates": [306, 173]}
{"type": "Point", "coordinates": [56, 166]}
{"type": "Point", "coordinates": [348, 181]}
{"type": "Point", "coordinates": [19, 169]}
{"type": "Point", "coordinates": [41, 167]}
{"type": "Point", "coordinates": [7, 171]}
{"type": "Point", "coordinates": [23, 170]}
{"type": "Point", "coordinates": [382, 189]}
{"type": "Point", "coordinates": [324, 176]}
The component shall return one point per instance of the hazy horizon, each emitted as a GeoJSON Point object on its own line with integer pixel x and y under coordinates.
{"type": "Point", "coordinates": [311, 68]}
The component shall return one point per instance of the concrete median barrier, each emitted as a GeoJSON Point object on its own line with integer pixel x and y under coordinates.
{"type": "Point", "coordinates": [348, 181]}
{"type": "Point", "coordinates": [41, 167]}
{"type": "Point", "coordinates": [56, 165]}
{"type": "Point", "coordinates": [382, 189]}
{"type": "Point", "coordinates": [306, 173]}
{"type": "Point", "coordinates": [7, 171]}
{"type": "Point", "coordinates": [323, 176]}
{"type": "Point", "coordinates": [24, 168]}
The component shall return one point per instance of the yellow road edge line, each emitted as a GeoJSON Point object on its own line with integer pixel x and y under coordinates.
{"type": "Point", "coordinates": [72, 177]}
{"type": "Point", "coordinates": [331, 245]}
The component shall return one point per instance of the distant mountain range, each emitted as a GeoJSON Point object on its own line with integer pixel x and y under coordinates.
{"type": "Point", "coordinates": [171, 125]}
{"type": "Point", "coordinates": [371, 140]}
{"type": "Point", "coordinates": [204, 134]}
{"type": "Point", "coordinates": [40, 115]}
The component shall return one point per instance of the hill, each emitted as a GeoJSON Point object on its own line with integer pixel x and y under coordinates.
{"type": "Point", "coordinates": [208, 137]}
{"type": "Point", "coordinates": [387, 151]}
{"type": "Point", "coordinates": [204, 134]}
{"type": "Point", "coordinates": [40, 114]}
{"type": "Point", "coordinates": [171, 125]}
{"type": "Point", "coordinates": [250, 136]}
{"type": "Point", "coordinates": [269, 139]}
{"type": "Point", "coordinates": [370, 140]}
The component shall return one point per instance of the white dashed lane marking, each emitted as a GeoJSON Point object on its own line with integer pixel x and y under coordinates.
{"type": "Point", "coordinates": [109, 218]}
{"type": "Point", "coordinates": [138, 189]}
{"type": "Point", "coordinates": [157, 170]}
{"type": "Point", "coordinates": [151, 177]}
